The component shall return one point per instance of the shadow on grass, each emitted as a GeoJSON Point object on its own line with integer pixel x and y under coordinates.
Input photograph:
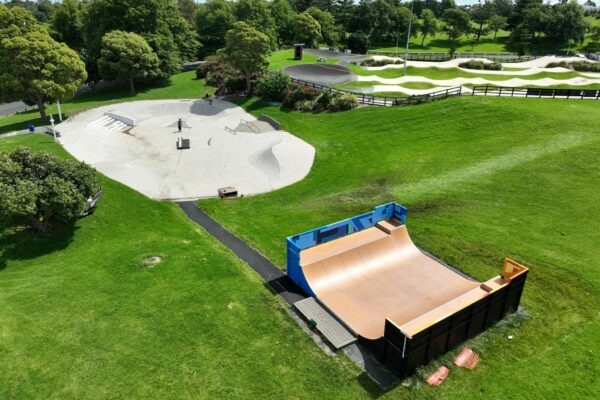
{"type": "Point", "coordinates": [23, 244]}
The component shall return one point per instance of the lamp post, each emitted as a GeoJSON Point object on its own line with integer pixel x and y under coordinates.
{"type": "Point", "coordinates": [408, 37]}
{"type": "Point", "coordinates": [59, 112]}
{"type": "Point", "coordinates": [53, 129]}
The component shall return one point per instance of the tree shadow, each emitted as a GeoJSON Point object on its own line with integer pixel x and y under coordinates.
{"type": "Point", "coordinates": [23, 244]}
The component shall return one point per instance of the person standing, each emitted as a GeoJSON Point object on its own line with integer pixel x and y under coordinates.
{"type": "Point", "coordinates": [179, 125]}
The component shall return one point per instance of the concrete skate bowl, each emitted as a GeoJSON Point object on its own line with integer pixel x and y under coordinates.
{"type": "Point", "coordinates": [403, 303]}
{"type": "Point", "coordinates": [325, 74]}
{"type": "Point", "coordinates": [136, 143]}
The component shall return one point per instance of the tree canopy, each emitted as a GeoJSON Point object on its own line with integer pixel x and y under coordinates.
{"type": "Point", "coordinates": [38, 189]}
{"type": "Point", "coordinates": [36, 69]}
{"type": "Point", "coordinates": [128, 55]}
{"type": "Point", "coordinates": [246, 50]}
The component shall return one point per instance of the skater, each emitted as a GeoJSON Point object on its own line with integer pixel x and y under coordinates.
{"type": "Point", "coordinates": [179, 125]}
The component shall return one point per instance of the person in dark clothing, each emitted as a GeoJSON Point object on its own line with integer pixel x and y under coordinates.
{"type": "Point", "coordinates": [179, 124]}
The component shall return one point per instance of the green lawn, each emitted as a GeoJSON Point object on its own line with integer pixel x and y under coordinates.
{"type": "Point", "coordinates": [440, 44]}
{"type": "Point", "coordinates": [82, 317]}
{"type": "Point", "coordinates": [283, 58]}
{"type": "Point", "coordinates": [182, 85]}
{"type": "Point", "coordinates": [451, 73]}
{"type": "Point", "coordinates": [483, 178]}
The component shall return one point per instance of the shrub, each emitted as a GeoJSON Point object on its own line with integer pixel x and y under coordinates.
{"type": "Point", "coordinates": [305, 105]}
{"type": "Point", "coordinates": [220, 74]}
{"type": "Point", "coordinates": [37, 189]}
{"type": "Point", "coordinates": [298, 93]}
{"type": "Point", "coordinates": [580, 66]}
{"type": "Point", "coordinates": [273, 86]}
{"type": "Point", "coordinates": [379, 63]}
{"type": "Point", "coordinates": [358, 43]}
{"type": "Point", "coordinates": [477, 64]}
{"type": "Point", "coordinates": [343, 102]}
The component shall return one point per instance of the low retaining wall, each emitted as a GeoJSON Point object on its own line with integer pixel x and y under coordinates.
{"type": "Point", "coordinates": [271, 121]}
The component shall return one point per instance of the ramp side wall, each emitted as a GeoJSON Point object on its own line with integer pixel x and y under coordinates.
{"type": "Point", "coordinates": [324, 234]}
{"type": "Point", "coordinates": [403, 354]}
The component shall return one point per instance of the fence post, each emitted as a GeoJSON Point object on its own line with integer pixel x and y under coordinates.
{"type": "Point", "coordinates": [486, 90]}
{"type": "Point", "coordinates": [512, 94]}
{"type": "Point", "coordinates": [597, 94]}
{"type": "Point", "coordinates": [553, 93]}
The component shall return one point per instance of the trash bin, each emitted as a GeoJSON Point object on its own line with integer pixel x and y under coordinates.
{"type": "Point", "coordinates": [31, 128]}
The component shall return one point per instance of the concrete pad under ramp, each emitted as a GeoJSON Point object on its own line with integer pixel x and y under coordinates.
{"type": "Point", "coordinates": [135, 143]}
{"type": "Point", "coordinates": [326, 74]}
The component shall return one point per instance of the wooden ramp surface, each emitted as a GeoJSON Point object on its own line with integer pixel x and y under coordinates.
{"type": "Point", "coordinates": [327, 325]}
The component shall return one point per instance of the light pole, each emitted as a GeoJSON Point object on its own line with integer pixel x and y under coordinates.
{"type": "Point", "coordinates": [59, 112]}
{"type": "Point", "coordinates": [53, 129]}
{"type": "Point", "coordinates": [408, 37]}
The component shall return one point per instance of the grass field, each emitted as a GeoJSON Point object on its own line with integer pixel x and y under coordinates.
{"type": "Point", "coordinates": [439, 43]}
{"type": "Point", "coordinates": [283, 58]}
{"type": "Point", "coordinates": [82, 317]}
{"type": "Point", "coordinates": [483, 179]}
{"type": "Point", "coordinates": [179, 86]}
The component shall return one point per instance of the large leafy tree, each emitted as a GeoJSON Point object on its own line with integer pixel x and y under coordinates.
{"type": "Point", "coordinates": [329, 31]}
{"type": "Point", "coordinates": [213, 19]}
{"type": "Point", "coordinates": [480, 14]}
{"type": "Point", "coordinates": [307, 30]}
{"type": "Point", "coordinates": [257, 14]}
{"type": "Point", "coordinates": [66, 24]}
{"type": "Point", "coordinates": [38, 189]}
{"type": "Point", "coordinates": [127, 55]}
{"type": "Point", "coordinates": [429, 25]}
{"type": "Point", "coordinates": [283, 15]}
{"type": "Point", "coordinates": [496, 23]}
{"type": "Point", "coordinates": [566, 22]}
{"type": "Point", "coordinates": [247, 50]}
{"type": "Point", "coordinates": [158, 21]}
{"type": "Point", "coordinates": [16, 21]}
{"type": "Point", "coordinates": [36, 68]}
{"type": "Point", "coordinates": [456, 24]}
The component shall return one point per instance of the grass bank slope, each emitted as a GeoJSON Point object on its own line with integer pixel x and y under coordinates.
{"type": "Point", "coordinates": [483, 179]}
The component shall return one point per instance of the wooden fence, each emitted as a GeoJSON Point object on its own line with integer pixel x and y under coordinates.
{"type": "Point", "coordinates": [447, 56]}
{"type": "Point", "coordinates": [544, 93]}
{"type": "Point", "coordinates": [387, 101]}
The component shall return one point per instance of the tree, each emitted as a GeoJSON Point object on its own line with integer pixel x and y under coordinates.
{"type": "Point", "coordinates": [480, 13]}
{"type": "Point", "coordinates": [16, 21]}
{"type": "Point", "coordinates": [187, 8]}
{"type": "Point", "coordinates": [246, 50]}
{"type": "Point", "coordinates": [329, 32]}
{"type": "Point", "coordinates": [457, 24]}
{"type": "Point", "coordinates": [307, 30]}
{"type": "Point", "coordinates": [496, 23]}
{"type": "Point", "coordinates": [343, 10]}
{"type": "Point", "coordinates": [38, 189]}
{"type": "Point", "coordinates": [358, 43]}
{"type": "Point", "coordinates": [429, 26]}
{"type": "Point", "coordinates": [256, 13]}
{"type": "Point", "coordinates": [213, 19]}
{"type": "Point", "coordinates": [36, 68]}
{"type": "Point", "coordinates": [128, 55]}
{"type": "Point", "coordinates": [284, 16]}
{"type": "Point", "coordinates": [66, 24]}
{"type": "Point", "coordinates": [566, 22]}
{"type": "Point", "coordinates": [273, 86]}
{"type": "Point", "coordinates": [158, 21]}
{"type": "Point", "coordinates": [520, 39]}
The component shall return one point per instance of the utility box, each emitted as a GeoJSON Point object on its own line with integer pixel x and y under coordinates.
{"type": "Point", "coordinates": [298, 49]}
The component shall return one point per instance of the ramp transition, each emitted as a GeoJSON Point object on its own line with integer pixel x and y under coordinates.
{"type": "Point", "coordinates": [406, 305]}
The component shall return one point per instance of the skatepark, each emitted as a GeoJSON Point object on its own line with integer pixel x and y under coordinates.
{"type": "Point", "coordinates": [136, 143]}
